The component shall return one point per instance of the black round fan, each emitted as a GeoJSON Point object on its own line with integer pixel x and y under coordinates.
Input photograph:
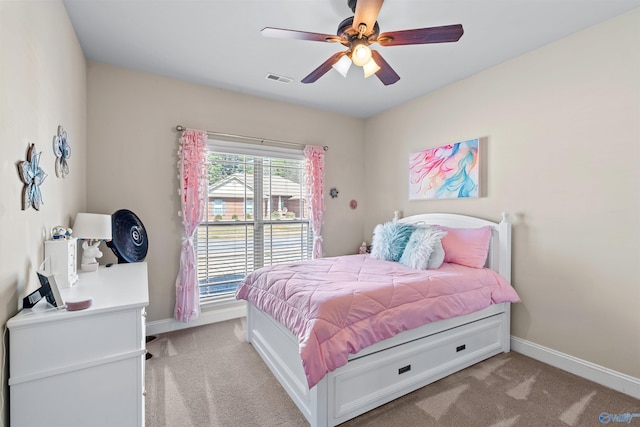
{"type": "Point", "coordinates": [129, 243]}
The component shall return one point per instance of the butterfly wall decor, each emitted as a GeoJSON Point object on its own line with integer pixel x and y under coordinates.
{"type": "Point", "coordinates": [32, 176]}
{"type": "Point", "coordinates": [62, 151]}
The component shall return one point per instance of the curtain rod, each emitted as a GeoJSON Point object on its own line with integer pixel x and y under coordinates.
{"type": "Point", "coordinates": [181, 128]}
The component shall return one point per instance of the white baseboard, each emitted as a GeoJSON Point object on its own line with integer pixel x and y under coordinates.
{"type": "Point", "coordinates": [598, 374]}
{"type": "Point", "coordinates": [220, 314]}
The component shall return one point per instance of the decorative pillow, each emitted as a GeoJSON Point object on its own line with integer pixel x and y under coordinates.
{"type": "Point", "coordinates": [466, 246]}
{"type": "Point", "coordinates": [437, 256]}
{"type": "Point", "coordinates": [389, 240]}
{"type": "Point", "coordinates": [420, 247]}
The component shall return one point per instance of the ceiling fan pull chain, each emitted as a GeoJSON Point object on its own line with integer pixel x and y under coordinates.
{"type": "Point", "coordinates": [362, 28]}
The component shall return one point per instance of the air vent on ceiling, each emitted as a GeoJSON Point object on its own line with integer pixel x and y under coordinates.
{"type": "Point", "coordinates": [278, 78]}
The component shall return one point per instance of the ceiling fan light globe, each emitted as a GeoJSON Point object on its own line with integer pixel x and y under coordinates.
{"type": "Point", "coordinates": [370, 68]}
{"type": "Point", "coordinates": [361, 54]}
{"type": "Point", "coordinates": [343, 65]}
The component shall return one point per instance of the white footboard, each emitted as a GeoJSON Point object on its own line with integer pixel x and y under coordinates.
{"type": "Point", "coordinates": [384, 371]}
{"type": "Point", "coordinates": [278, 348]}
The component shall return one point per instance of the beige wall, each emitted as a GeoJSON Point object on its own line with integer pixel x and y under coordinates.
{"type": "Point", "coordinates": [132, 157]}
{"type": "Point", "coordinates": [562, 130]}
{"type": "Point", "coordinates": [42, 85]}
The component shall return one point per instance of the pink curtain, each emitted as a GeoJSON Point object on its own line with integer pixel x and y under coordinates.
{"type": "Point", "coordinates": [314, 162]}
{"type": "Point", "coordinates": [192, 166]}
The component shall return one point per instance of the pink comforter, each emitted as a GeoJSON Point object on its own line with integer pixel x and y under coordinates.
{"type": "Point", "coordinates": [337, 306]}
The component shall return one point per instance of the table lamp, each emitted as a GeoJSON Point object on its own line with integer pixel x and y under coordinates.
{"type": "Point", "coordinates": [93, 229]}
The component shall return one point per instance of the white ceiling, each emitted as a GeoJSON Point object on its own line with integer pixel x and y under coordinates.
{"type": "Point", "coordinates": [218, 42]}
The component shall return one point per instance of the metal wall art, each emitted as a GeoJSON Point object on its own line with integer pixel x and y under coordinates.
{"type": "Point", "coordinates": [62, 151]}
{"type": "Point", "coordinates": [32, 176]}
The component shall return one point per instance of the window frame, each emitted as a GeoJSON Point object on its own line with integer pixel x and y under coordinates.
{"type": "Point", "coordinates": [260, 223]}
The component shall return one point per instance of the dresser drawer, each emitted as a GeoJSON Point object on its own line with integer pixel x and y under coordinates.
{"type": "Point", "coordinates": [367, 381]}
{"type": "Point", "coordinates": [105, 395]}
{"type": "Point", "coordinates": [69, 341]}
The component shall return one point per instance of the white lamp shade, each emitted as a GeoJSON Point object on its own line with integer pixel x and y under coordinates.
{"type": "Point", "coordinates": [343, 65]}
{"type": "Point", "coordinates": [370, 68]}
{"type": "Point", "coordinates": [92, 226]}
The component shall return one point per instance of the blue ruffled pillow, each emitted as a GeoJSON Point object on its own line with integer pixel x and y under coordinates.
{"type": "Point", "coordinates": [389, 240]}
{"type": "Point", "coordinates": [424, 248]}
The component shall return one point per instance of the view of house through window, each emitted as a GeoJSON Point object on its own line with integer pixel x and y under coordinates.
{"type": "Point", "coordinates": [256, 216]}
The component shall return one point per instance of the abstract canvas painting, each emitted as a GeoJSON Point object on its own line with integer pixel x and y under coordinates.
{"type": "Point", "coordinates": [446, 172]}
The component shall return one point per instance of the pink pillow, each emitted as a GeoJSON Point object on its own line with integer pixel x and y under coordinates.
{"type": "Point", "coordinates": [466, 246]}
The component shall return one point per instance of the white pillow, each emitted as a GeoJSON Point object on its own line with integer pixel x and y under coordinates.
{"type": "Point", "coordinates": [437, 256]}
{"type": "Point", "coordinates": [421, 246]}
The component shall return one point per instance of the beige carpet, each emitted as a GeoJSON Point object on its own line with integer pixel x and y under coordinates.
{"type": "Point", "coordinates": [209, 376]}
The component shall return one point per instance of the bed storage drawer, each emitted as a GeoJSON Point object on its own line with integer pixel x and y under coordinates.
{"type": "Point", "coordinates": [369, 382]}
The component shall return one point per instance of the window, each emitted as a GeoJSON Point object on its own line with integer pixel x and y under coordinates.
{"type": "Point", "coordinates": [257, 216]}
{"type": "Point", "coordinates": [218, 207]}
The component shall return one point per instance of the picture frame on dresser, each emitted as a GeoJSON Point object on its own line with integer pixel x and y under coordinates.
{"type": "Point", "coordinates": [48, 280]}
{"type": "Point", "coordinates": [48, 290]}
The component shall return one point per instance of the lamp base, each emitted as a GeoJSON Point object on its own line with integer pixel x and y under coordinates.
{"type": "Point", "coordinates": [92, 266]}
{"type": "Point", "coordinates": [90, 252]}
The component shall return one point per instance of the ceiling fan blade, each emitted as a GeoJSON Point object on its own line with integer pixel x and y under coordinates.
{"type": "Point", "coordinates": [447, 33]}
{"type": "Point", "coordinates": [299, 35]}
{"type": "Point", "coordinates": [323, 68]}
{"type": "Point", "coordinates": [367, 13]}
{"type": "Point", "coordinates": [386, 74]}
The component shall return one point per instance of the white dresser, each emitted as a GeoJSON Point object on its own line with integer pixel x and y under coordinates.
{"type": "Point", "coordinates": [83, 368]}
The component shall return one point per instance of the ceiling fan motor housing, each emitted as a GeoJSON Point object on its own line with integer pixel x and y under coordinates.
{"type": "Point", "coordinates": [346, 31]}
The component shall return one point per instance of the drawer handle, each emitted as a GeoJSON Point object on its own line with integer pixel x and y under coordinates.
{"type": "Point", "coordinates": [404, 369]}
{"type": "Point", "coordinates": [461, 347]}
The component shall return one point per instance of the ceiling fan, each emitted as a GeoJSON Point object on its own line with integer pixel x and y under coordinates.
{"type": "Point", "coordinates": [357, 33]}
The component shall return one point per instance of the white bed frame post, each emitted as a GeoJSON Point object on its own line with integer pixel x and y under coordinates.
{"type": "Point", "coordinates": [505, 242]}
{"type": "Point", "coordinates": [504, 268]}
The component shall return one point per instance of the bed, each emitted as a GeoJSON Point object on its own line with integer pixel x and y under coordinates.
{"type": "Point", "coordinates": [399, 360]}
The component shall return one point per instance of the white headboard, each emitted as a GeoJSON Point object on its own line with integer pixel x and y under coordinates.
{"type": "Point", "coordinates": [499, 258]}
